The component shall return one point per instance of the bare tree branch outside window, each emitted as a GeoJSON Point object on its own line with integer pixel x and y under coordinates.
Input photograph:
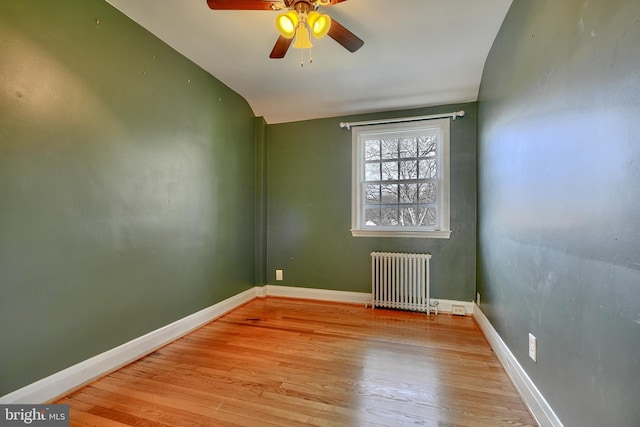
{"type": "Point", "coordinates": [401, 181]}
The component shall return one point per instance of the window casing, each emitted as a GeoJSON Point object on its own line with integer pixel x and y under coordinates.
{"type": "Point", "coordinates": [400, 183]}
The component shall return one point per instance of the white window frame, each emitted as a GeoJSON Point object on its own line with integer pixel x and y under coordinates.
{"type": "Point", "coordinates": [442, 230]}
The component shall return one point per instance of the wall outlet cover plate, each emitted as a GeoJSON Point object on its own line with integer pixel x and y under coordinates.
{"type": "Point", "coordinates": [533, 348]}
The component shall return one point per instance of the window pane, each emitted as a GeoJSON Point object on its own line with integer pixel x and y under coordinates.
{"type": "Point", "coordinates": [427, 146]}
{"type": "Point", "coordinates": [372, 217]}
{"type": "Point", "coordinates": [408, 193]}
{"type": "Point", "coordinates": [428, 192]}
{"type": "Point", "coordinates": [389, 148]}
{"type": "Point", "coordinates": [372, 193]}
{"type": "Point", "coordinates": [389, 193]}
{"type": "Point", "coordinates": [389, 171]}
{"type": "Point", "coordinates": [389, 216]}
{"type": "Point", "coordinates": [427, 215]}
{"type": "Point", "coordinates": [408, 169]}
{"type": "Point", "coordinates": [372, 150]}
{"type": "Point", "coordinates": [408, 147]}
{"type": "Point", "coordinates": [372, 172]}
{"type": "Point", "coordinates": [428, 169]}
{"type": "Point", "coordinates": [408, 216]}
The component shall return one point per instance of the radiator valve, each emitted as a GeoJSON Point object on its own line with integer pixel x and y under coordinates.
{"type": "Point", "coordinates": [433, 307]}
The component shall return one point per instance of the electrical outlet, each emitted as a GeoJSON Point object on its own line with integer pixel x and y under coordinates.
{"type": "Point", "coordinates": [279, 275]}
{"type": "Point", "coordinates": [533, 348]}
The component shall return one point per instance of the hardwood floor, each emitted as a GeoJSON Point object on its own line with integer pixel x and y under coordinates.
{"type": "Point", "coordinates": [289, 362]}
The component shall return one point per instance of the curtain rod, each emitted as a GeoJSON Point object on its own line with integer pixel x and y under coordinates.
{"type": "Point", "coordinates": [454, 115]}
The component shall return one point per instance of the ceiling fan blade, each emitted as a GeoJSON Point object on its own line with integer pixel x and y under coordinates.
{"type": "Point", "coordinates": [330, 2]}
{"type": "Point", "coordinates": [245, 4]}
{"type": "Point", "coordinates": [281, 47]}
{"type": "Point", "coordinates": [346, 38]}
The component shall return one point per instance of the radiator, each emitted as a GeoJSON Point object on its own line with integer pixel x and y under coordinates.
{"type": "Point", "coordinates": [400, 280]}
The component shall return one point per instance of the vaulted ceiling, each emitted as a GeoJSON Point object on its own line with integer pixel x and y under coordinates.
{"type": "Point", "coordinates": [416, 53]}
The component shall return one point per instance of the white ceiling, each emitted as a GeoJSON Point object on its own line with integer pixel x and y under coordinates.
{"type": "Point", "coordinates": [416, 53]}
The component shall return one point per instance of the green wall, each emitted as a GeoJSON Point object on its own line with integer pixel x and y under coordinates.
{"type": "Point", "coordinates": [309, 209]}
{"type": "Point", "coordinates": [126, 186]}
{"type": "Point", "coordinates": [559, 201]}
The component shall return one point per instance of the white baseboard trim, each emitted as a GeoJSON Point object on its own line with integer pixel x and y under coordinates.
{"type": "Point", "coordinates": [532, 397]}
{"type": "Point", "coordinates": [444, 305]}
{"type": "Point", "coordinates": [314, 294]}
{"type": "Point", "coordinates": [77, 375]}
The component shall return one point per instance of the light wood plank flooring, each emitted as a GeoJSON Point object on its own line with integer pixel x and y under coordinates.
{"type": "Point", "coordinates": [290, 362]}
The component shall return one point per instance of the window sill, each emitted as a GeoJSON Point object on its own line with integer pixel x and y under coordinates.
{"type": "Point", "coordinates": [406, 233]}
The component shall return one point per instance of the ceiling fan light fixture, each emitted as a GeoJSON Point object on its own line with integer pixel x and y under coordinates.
{"type": "Point", "coordinates": [286, 23]}
{"type": "Point", "coordinates": [319, 24]}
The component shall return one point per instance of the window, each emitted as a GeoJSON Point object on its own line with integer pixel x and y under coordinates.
{"type": "Point", "coordinates": [400, 184]}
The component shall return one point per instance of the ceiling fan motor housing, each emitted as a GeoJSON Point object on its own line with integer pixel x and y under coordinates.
{"type": "Point", "coordinates": [302, 6]}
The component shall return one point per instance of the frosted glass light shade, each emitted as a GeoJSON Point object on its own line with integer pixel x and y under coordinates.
{"type": "Point", "coordinates": [286, 23]}
{"type": "Point", "coordinates": [319, 24]}
{"type": "Point", "coordinates": [302, 38]}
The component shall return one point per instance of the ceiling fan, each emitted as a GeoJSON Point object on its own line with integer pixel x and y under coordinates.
{"type": "Point", "coordinates": [298, 19]}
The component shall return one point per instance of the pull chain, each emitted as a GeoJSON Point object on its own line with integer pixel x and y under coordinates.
{"type": "Point", "coordinates": [302, 57]}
